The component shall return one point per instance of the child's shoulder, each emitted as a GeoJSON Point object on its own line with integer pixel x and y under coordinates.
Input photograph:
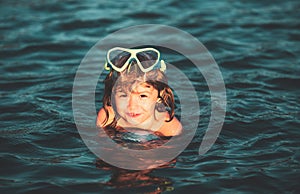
{"type": "Point", "coordinates": [102, 116]}
{"type": "Point", "coordinates": [171, 128]}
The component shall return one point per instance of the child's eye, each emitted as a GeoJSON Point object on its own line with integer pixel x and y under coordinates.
{"type": "Point", "coordinates": [122, 95]}
{"type": "Point", "coordinates": [143, 96]}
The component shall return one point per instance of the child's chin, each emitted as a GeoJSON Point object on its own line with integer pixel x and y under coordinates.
{"type": "Point", "coordinates": [134, 122]}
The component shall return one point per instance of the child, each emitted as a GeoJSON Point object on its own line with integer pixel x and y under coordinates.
{"type": "Point", "coordinates": [136, 93]}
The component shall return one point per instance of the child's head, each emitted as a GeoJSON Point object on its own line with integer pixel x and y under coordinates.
{"type": "Point", "coordinates": [135, 88]}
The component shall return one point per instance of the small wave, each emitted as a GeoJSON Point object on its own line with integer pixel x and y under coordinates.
{"type": "Point", "coordinates": [145, 15]}
{"type": "Point", "coordinates": [82, 24]}
{"type": "Point", "coordinates": [285, 83]}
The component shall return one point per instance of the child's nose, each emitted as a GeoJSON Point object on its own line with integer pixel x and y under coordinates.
{"type": "Point", "coordinates": [133, 101]}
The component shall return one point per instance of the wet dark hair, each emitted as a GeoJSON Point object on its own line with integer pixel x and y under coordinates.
{"type": "Point", "coordinates": [131, 75]}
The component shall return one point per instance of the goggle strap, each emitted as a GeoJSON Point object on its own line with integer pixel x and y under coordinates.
{"type": "Point", "coordinates": [129, 67]}
{"type": "Point", "coordinates": [106, 67]}
{"type": "Point", "coordinates": [163, 66]}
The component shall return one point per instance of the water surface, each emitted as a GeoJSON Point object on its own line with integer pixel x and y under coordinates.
{"type": "Point", "coordinates": [255, 43]}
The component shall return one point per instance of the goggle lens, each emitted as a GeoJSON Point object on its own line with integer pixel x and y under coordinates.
{"type": "Point", "coordinates": [118, 58]}
{"type": "Point", "coordinates": [147, 58]}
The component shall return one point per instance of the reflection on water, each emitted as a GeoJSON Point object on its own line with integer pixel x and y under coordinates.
{"type": "Point", "coordinates": [139, 181]}
{"type": "Point", "coordinates": [134, 138]}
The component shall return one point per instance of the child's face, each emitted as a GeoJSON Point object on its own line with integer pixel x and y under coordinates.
{"type": "Point", "coordinates": [138, 105]}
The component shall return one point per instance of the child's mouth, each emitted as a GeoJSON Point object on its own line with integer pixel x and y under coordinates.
{"type": "Point", "coordinates": [133, 115]}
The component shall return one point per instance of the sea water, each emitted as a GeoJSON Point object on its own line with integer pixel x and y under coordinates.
{"type": "Point", "coordinates": [256, 45]}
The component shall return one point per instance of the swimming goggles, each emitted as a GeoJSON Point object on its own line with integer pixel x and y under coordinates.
{"type": "Point", "coordinates": [146, 58]}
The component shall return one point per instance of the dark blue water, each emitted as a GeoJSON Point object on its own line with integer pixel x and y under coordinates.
{"type": "Point", "coordinates": [255, 43]}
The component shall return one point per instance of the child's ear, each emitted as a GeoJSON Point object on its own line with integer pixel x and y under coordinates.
{"type": "Point", "coordinates": [159, 106]}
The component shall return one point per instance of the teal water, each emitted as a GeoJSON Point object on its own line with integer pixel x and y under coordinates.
{"type": "Point", "coordinates": [256, 45]}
